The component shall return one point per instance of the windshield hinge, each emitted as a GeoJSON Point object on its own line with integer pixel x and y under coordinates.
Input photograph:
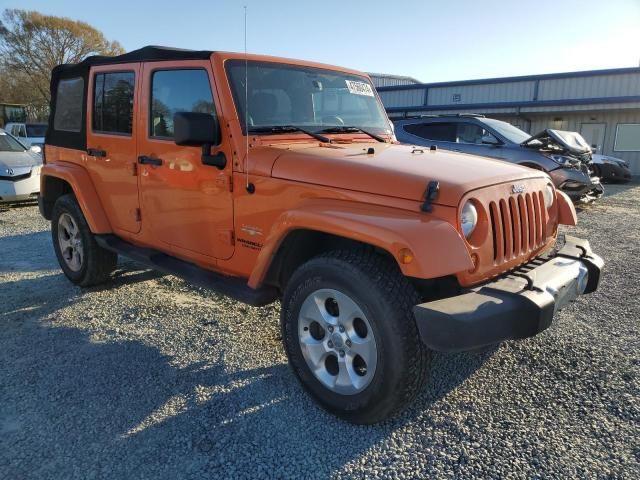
{"type": "Point", "coordinates": [430, 195]}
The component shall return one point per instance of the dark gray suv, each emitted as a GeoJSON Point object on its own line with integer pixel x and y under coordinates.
{"type": "Point", "coordinates": [563, 155]}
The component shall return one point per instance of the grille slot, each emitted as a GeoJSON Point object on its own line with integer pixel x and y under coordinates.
{"type": "Point", "coordinates": [518, 225]}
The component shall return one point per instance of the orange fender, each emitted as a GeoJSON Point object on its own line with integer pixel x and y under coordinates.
{"type": "Point", "coordinates": [83, 189]}
{"type": "Point", "coordinates": [566, 210]}
{"type": "Point", "coordinates": [438, 249]}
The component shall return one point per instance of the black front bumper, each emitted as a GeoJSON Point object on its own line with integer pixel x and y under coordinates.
{"type": "Point", "coordinates": [519, 304]}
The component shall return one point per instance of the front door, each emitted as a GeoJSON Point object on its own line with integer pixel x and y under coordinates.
{"type": "Point", "coordinates": [593, 133]}
{"type": "Point", "coordinates": [189, 205]}
{"type": "Point", "coordinates": [111, 143]}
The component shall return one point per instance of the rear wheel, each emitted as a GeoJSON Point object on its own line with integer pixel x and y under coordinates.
{"type": "Point", "coordinates": [351, 337]}
{"type": "Point", "coordinates": [82, 260]}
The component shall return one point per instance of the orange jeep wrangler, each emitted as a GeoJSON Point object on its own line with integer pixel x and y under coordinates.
{"type": "Point", "coordinates": [273, 179]}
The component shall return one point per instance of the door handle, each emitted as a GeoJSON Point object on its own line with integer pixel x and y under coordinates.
{"type": "Point", "coordinates": [144, 160]}
{"type": "Point", "coordinates": [96, 152]}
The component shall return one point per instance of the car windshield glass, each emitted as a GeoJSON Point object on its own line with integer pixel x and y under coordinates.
{"type": "Point", "coordinates": [511, 133]}
{"type": "Point", "coordinates": [305, 97]}
{"type": "Point", "coordinates": [10, 144]}
{"type": "Point", "coordinates": [36, 130]}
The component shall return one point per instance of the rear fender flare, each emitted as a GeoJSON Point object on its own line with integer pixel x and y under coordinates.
{"type": "Point", "coordinates": [80, 181]}
{"type": "Point", "coordinates": [438, 249]}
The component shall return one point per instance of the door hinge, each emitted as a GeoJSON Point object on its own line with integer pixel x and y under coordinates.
{"type": "Point", "coordinates": [138, 215]}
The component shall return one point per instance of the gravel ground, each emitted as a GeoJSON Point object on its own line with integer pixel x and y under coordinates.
{"type": "Point", "coordinates": [148, 377]}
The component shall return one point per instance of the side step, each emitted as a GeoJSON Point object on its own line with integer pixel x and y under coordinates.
{"type": "Point", "coordinates": [233, 287]}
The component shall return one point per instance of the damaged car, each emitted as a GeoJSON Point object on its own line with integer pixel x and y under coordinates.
{"type": "Point", "coordinates": [610, 169]}
{"type": "Point", "coordinates": [564, 156]}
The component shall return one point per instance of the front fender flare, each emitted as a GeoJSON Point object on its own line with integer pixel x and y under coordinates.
{"type": "Point", "coordinates": [80, 181]}
{"type": "Point", "coordinates": [566, 211]}
{"type": "Point", "coordinates": [438, 248]}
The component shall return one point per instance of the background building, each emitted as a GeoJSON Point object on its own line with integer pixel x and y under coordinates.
{"type": "Point", "coordinates": [603, 105]}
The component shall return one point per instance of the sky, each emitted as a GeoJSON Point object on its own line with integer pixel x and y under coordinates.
{"type": "Point", "coordinates": [431, 41]}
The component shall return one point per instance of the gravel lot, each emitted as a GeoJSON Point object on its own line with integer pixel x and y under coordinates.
{"type": "Point", "coordinates": [148, 377]}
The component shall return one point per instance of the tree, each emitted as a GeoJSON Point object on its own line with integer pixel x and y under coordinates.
{"type": "Point", "coordinates": [31, 44]}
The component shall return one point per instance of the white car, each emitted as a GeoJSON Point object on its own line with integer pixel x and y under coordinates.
{"type": "Point", "coordinates": [19, 170]}
{"type": "Point", "coordinates": [29, 134]}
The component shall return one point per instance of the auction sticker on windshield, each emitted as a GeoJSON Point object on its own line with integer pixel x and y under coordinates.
{"type": "Point", "coordinates": [359, 88]}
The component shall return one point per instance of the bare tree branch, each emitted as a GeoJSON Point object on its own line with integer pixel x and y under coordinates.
{"type": "Point", "coordinates": [32, 44]}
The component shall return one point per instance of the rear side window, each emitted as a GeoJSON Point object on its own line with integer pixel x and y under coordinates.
{"type": "Point", "coordinates": [444, 132]}
{"type": "Point", "coordinates": [113, 102]}
{"type": "Point", "coordinates": [69, 104]}
{"type": "Point", "coordinates": [177, 91]}
{"type": "Point", "coordinates": [36, 130]}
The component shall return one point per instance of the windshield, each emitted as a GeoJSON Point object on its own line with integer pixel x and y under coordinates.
{"type": "Point", "coordinates": [36, 130]}
{"type": "Point", "coordinates": [508, 131]}
{"type": "Point", "coordinates": [10, 144]}
{"type": "Point", "coordinates": [311, 98]}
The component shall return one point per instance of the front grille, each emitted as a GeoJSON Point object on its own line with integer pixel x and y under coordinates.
{"type": "Point", "coordinates": [15, 178]}
{"type": "Point", "coordinates": [518, 224]}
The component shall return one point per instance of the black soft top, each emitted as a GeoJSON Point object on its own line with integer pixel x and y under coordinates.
{"type": "Point", "coordinates": [144, 54]}
{"type": "Point", "coordinates": [78, 140]}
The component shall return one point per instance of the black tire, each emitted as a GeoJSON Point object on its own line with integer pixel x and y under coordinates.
{"type": "Point", "coordinates": [386, 297]}
{"type": "Point", "coordinates": [97, 263]}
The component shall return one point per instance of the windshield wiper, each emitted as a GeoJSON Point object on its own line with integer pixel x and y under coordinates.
{"type": "Point", "coordinates": [289, 128]}
{"type": "Point", "coordinates": [350, 129]}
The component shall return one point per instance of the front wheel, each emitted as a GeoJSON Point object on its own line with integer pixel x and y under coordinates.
{"type": "Point", "coordinates": [351, 337]}
{"type": "Point", "coordinates": [82, 260]}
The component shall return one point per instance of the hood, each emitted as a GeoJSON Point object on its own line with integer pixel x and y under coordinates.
{"type": "Point", "coordinates": [393, 170]}
{"type": "Point", "coordinates": [569, 142]}
{"type": "Point", "coordinates": [17, 160]}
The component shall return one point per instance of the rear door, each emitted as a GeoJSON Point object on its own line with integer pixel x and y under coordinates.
{"type": "Point", "coordinates": [188, 204]}
{"type": "Point", "coordinates": [111, 142]}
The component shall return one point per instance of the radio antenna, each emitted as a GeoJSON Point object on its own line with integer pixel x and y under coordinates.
{"type": "Point", "coordinates": [249, 187]}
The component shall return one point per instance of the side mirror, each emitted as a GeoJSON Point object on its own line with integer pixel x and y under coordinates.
{"type": "Point", "coordinates": [199, 129]}
{"type": "Point", "coordinates": [194, 128]}
{"type": "Point", "coordinates": [35, 149]}
{"type": "Point", "coordinates": [490, 140]}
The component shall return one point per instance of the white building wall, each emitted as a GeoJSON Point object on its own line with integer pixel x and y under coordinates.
{"type": "Point", "coordinates": [597, 86]}
{"type": "Point", "coordinates": [488, 93]}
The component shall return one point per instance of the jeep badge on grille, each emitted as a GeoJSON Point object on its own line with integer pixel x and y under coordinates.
{"type": "Point", "coordinates": [518, 188]}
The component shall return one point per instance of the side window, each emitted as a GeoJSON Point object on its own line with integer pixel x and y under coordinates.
{"type": "Point", "coordinates": [113, 102]}
{"type": "Point", "coordinates": [471, 133]}
{"type": "Point", "coordinates": [69, 105]}
{"type": "Point", "coordinates": [177, 91]}
{"type": "Point", "coordinates": [444, 132]}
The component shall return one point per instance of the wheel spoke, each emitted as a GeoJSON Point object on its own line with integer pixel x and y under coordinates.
{"type": "Point", "coordinates": [313, 309]}
{"type": "Point", "coordinates": [366, 349]}
{"type": "Point", "coordinates": [64, 243]}
{"type": "Point", "coordinates": [314, 351]}
{"type": "Point", "coordinates": [346, 378]}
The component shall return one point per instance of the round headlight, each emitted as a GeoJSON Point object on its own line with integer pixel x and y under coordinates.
{"type": "Point", "coordinates": [549, 195]}
{"type": "Point", "coordinates": [468, 219]}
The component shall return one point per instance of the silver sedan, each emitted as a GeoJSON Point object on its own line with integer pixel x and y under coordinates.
{"type": "Point", "coordinates": [19, 170]}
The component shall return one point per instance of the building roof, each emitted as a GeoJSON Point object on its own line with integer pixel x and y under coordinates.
{"type": "Point", "coordinates": [522, 78]}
